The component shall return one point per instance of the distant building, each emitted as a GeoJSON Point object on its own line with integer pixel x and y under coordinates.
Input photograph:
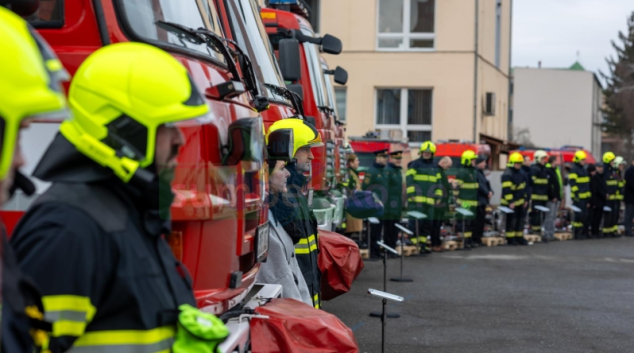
{"type": "Point", "coordinates": [558, 107]}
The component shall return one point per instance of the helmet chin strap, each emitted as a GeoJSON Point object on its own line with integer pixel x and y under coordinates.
{"type": "Point", "coordinates": [22, 182]}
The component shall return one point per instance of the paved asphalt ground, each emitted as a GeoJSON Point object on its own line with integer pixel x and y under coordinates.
{"type": "Point", "coordinates": [572, 296]}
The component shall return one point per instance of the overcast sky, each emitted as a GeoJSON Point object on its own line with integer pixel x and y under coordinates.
{"type": "Point", "coordinates": [554, 30]}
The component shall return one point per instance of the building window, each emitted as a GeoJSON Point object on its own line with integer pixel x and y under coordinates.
{"type": "Point", "coordinates": [407, 110]}
{"type": "Point", "coordinates": [340, 97]}
{"type": "Point", "coordinates": [406, 25]}
{"type": "Point", "coordinates": [498, 32]}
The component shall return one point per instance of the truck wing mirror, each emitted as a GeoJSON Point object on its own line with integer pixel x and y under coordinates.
{"type": "Point", "coordinates": [289, 59]}
{"type": "Point", "coordinates": [246, 141]}
{"type": "Point", "coordinates": [341, 75]}
{"type": "Point", "coordinates": [297, 89]}
{"type": "Point", "coordinates": [331, 44]}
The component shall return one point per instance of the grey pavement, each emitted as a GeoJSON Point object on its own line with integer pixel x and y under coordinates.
{"type": "Point", "coordinates": [572, 296]}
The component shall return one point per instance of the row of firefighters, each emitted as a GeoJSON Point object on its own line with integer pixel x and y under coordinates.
{"type": "Point", "coordinates": [530, 189]}
{"type": "Point", "coordinates": [88, 268]}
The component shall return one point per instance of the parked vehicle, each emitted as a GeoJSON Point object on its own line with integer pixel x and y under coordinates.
{"type": "Point", "coordinates": [364, 147]}
{"type": "Point", "coordinates": [454, 150]}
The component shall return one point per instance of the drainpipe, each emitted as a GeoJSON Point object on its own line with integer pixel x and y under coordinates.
{"type": "Point", "coordinates": [509, 133]}
{"type": "Point", "coordinates": [475, 76]}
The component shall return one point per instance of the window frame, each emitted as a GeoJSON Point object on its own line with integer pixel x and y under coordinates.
{"type": "Point", "coordinates": [403, 126]}
{"type": "Point", "coordinates": [343, 115]}
{"type": "Point", "coordinates": [405, 35]}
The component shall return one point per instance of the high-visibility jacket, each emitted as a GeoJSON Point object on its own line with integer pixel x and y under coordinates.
{"type": "Point", "coordinates": [394, 204]}
{"type": "Point", "coordinates": [424, 185]}
{"type": "Point", "coordinates": [620, 191]}
{"type": "Point", "coordinates": [539, 177]}
{"type": "Point", "coordinates": [513, 187]}
{"type": "Point", "coordinates": [109, 280]}
{"type": "Point", "coordinates": [612, 181]}
{"type": "Point", "coordinates": [468, 187]}
{"type": "Point", "coordinates": [579, 181]}
{"type": "Point", "coordinates": [305, 230]}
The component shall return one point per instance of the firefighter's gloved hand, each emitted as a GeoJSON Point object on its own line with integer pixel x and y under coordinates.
{"type": "Point", "coordinates": [198, 332]}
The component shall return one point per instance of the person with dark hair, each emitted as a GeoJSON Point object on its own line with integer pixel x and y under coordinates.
{"type": "Point", "coordinates": [555, 195]}
{"type": "Point", "coordinates": [599, 190]}
{"type": "Point", "coordinates": [376, 180]}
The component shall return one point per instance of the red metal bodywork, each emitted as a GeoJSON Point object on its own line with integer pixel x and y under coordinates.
{"type": "Point", "coordinates": [564, 155]}
{"type": "Point", "coordinates": [214, 239]}
{"type": "Point", "coordinates": [324, 122]}
{"type": "Point", "coordinates": [364, 148]}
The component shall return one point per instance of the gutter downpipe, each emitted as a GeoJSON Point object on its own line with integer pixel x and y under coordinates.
{"type": "Point", "coordinates": [475, 75]}
{"type": "Point", "coordinates": [508, 114]}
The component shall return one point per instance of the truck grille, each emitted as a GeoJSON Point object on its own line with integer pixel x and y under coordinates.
{"type": "Point", "coordinates": [330, 162]}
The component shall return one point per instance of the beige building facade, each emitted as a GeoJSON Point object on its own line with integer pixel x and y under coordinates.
{"type": "Point", "coordinates": [558, 107]}
{"type": "Point", "coordinates": [422, 67]}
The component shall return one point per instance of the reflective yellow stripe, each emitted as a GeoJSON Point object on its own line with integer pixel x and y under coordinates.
{"type": "Point", "coordinates": [540, 181]}
{"type": "Point", "coordinates": [469, 186]}
{"type": "Point", "coordinates": [611, 197]}
{"type": "Point", "coordinates": [585, 195]}
{"type": "Point", "coordinates": [539, 197]}
{"type": "Point", "coordinates": [519, 202]}
{"type": "Point", "coordinates": [612, 182]}
{"type": "Point", "coordinates": [438, 192]}
{"type": "Point", "coordinates": [575, 188]}
{"type": "Point", "coordinates": [467, 234]}
{"type": "Point", "coordinates": [411, 189]}
{"type": "Point", "coordinates": [410, 172]}
{"type": "Point", "coordinates": [507, 184]}
{"type": "Point", "coordinates": [508, 197]}
{"type": "Point", "coordinates": [316, 300]}
{"type": "Point", "coordinates": [510, 234]}
{"type": "Point", "coordinates": [504, 202]}
{"type": "Point", "coordinates": [69, 313]}
{"type": "Point", "coordinates": [577, 224]}
{"type": "Point", "coordinates": [467, 202]}
{"type": "Point", "coordinates": [583, 180]}
{"type": "Point", "coordinates": [572, 176]}
{"type": "Point", "coordinates": [422, 199]}
{"type": "Point", "coordinates": [306, 245]}
{"type": "Point", "coordinates": [155, 340]}
{"type": "Point", "coordinates": [423, 177]}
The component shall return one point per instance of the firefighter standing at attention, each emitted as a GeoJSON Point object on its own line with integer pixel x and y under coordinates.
{"type": "Point", "coordinates": [93, 242]}
{"type": "Point", "coordinates": [579, 181]}
{"type": "Point", "coordinates": [424, 188]}
{"type": "Point", "coordinates": [468, 194]}
{"type": "Point", "coordinates": [30, 88]}
{"type": "Point", "coordinates": [611, 177]}
{"type": "Point", "coordinates": [300, 222]}
{"type": "Point", "coordinates": [514, 197]}
{"type": "Point", "coordinates": [377, 181]}
{"type": "Point", "coordinates": [539, 190]}
{"type": "Point", "coordinates": [394, 204]}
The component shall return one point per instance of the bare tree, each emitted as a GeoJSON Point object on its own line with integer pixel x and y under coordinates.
{"type": "Point", "coordinates": [522, 136]}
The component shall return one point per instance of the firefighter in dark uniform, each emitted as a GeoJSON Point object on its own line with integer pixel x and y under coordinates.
{"type": "Point", "coordinates": [514, 197]}
{"type": "Point", "coordinates": [301, 224]}
{"type": "Point", "coordinates": [610, 174]}
{"type": "Point", "coordinates": [394, 206]}
{"type": "Point", "coordinates": [484, 195]}
{"type": "Point", "coordinates": [468, 194]}
{"type": "Point", "coordinates": [539, 190]}
{"type": "Point", "coordinates": [579, 181]}
{"type": "Point", "coordinates": [94, 241]}
{"type": "Point", "coordinates": [598, 200]}
{"type": "Point", "coordinates": [377, 181]}
{"type": "Point", "coordinates": [526, 172]}
{"type": "Point", "coordinates": [30, 82]}
{"type": "Point", "coordinates": [424, 189]}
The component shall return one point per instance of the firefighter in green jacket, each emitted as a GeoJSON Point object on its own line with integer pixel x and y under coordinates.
{"type": "Point", "coordinates": [376, 180]}
{"type": "Point", "coordinates": [467, 194]}
{"type": "Point", "coordinates": [514, 196]}
{"type": "Point", "coordinates": [610, 174]}
{"type": "Point", "coordinates": [539, 194]}
{"type": "Point", "coordinates": [579, 181]}
{"type": "Point", "coordinates": [394, 206]}
{"type": "Point", "coordinates": [424, 191]}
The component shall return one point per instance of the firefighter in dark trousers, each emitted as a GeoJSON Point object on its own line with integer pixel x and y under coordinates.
{"type": "Point", "coordinates": [377, 181]}
{"type": "Point", "coordinates": [621, 164]}
{"type": "Point", "coordinates": [628, 198]}
{"type": "Point", "coordinates": [94, 241]}
{"type": "Point", "coordinates": [539, 190]}
{"type": "Point", "coordinates": [441, 208]}
{"type": "Point", "coordinates": [301, 224]}
{"type": "Point", "coordinates": [526, 172]}
{"type": "Point", "coordinates": [394, 206]}
{"type": "Point", "coordinates": [610, 221]}
{"type": "Point", "coordinates": [468, 194]}
{"type": "Point", "coordinates": [598, 200]}
{"type": "Point", "coordinates": [484, 195]}
{"type": "Point", "coordinates": [423, 190]}
{"type": "Point", "coordinates": [579, 181]}
{"type": "Point", "coordinates": [555, 195]}
{"type": "Point", "coordinates": [31, 85]}
{"type": "Point", "coordinates": [514, 197]}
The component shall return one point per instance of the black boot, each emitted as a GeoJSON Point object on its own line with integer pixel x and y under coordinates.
{"type": "Point", "coordinates": [511, 241]}
{"type": "Point", "coordinates": [521, 241]}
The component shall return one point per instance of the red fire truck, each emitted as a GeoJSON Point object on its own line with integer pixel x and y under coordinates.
{"type": "Point", "coordinates": [219, 214]}
{"type": "Point", "coordinates": [564, 154]}
{"type": "Point", "coordinates": [454, 149]}
{"type": "Point", "coordinates": [364, 147]}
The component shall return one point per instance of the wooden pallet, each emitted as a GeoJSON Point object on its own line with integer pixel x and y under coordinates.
{"type": "Point", "coordinates": [408, 250]}
{"type": "Point", "coordinates": [450, 245]}
{"type": "Point", "coordinates": [533, 238]}
{"type": "Point", "coordinates": [365, 253]}
{"type": "Point", "coordinates": [492, 241]}
{"type": "Point", "coordinates": [563, 236]}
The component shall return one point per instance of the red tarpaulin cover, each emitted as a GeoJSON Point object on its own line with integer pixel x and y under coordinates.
{"type": "Point", "coordinates": [295, 327]}
{"type": "Point", "coordinates": [340, 263]}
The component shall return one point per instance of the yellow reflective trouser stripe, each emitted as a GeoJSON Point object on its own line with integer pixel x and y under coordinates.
{"type": "Point", "coordinates": [423, 177]}
{"type": "Point", "coordinates": [608, 229]}
{"type": "Point", "coordinates": [507, 184]}
{"type": "Point", "coordinates": [316, 300]}
{"type": "Point", "coordinates": [438, 192]}
{"type": "Point", "coordinates": [585, 195]}
{"type": "Point", "coordinates": [411, 189]}
{"type": "Point", "coordinates": [577, 224]}
{"type": "Point", "coordinates": [508, 197]}
{"type": "Point", "coordinates": [510, 234]}
{"type": "Point", "coordinates": [519, 202]}
{"type": "Point", "coordinates": [536, 227]}
{"type": "Point", "coordinates": [612, 182]}
{"type": "Point", "coordinates": [504, 202]}
{"type": "Point", "coordinates": [620, 197]}
{"type": "Point", "coordinates": [468, 202]}
{"type": "Point", "coordinates": [574, 188]}
{"type": "Point", "coordinates": [467, 234]}
{"type": "Point", "coordinates": [539, 197]}
{"type": "Point", "coordinates": [306, 245]}
{"type": "Point", "coordinates": [611, 197]}
{"type": "Point", "coordinates": [420, 239]}
{"type": "Point", "coordinates": [540, 181]}
{"type": "Point", "coordinates": [69, 314]}
{"type": "Point", "coordinates": [583, 180]}
{"type": "Point", "coordinates": [422, 199]}
{"type": "Point", "coordinates": [130, 341]}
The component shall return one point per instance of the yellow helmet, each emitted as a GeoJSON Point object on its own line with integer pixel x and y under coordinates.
{"type": "Point", "coordinates": [516, 158]}
{"type": "Point", "coordinates": [119, 97]}
{"type": "Point", "coordinates": [428, 146]}
{"type": "Point", "coordinates": [30, 82]}
{"type": "Point", "coordinates": [304, 133]}
{"type": "Point", "coordinates": [608, 157]}
{"type": "Point", "coordinates": [579, 156]}
{"type": "Point", "coordinates": [539, 155]}
{"type": "Point", "coordinates": [467, 157]}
